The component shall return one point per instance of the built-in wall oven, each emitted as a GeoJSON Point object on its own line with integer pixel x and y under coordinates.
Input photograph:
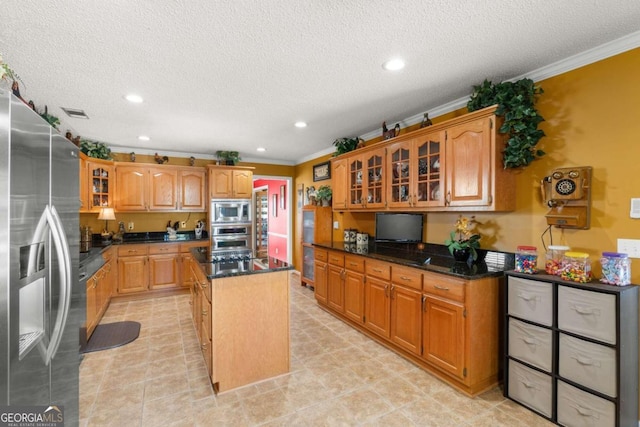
{"type": "Point", "coordinates": [231, 229]}
{"type": "Point", "coordinates": [236, 211]}
{"type": "Point", "coordinates": [231, 237]}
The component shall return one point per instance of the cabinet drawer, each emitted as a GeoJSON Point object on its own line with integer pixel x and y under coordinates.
{"type": "Point", "coordinates": [321, 255]}
{"type": "Point", "coordinates": [186, 247]}
{"type": "Point", "coordinates": [592, 365]}
{"type": "Point", "coordinates": [336, 258]}
{"type": "Point", "coordinates": [579, 408]}
{"type": "Point", "coordinates": [163, 248]}
{"type": "Point", "coordinates": [530, 343]}
{"type": "Point", "coordinates": [107, 254]}
{"type": "Point", "coordinates": [531, 388]}
{"type": "Point", "coordinates": [407, 276]}
{"type": "Point", "coordinates": [591, 314]}
{"type": "Point", "coordinates": [531, 300]}
{"type": "Point", "coordinates": [379, 269]}
{"type": "Point", "coordinates": [354, 263]}
{"type": "Point", "coordinates": [444, 286]}
{"type": "Point", "coordinates": [132, 250]}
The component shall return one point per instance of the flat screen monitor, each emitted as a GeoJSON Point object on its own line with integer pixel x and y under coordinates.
{"type": "Point", "coordinates": [398, 227]}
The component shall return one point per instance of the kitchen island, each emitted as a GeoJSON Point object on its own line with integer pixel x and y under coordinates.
{"type": "Point", "coordinates": [241, 314]}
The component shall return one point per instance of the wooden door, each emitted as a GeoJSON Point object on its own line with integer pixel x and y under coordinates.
{"type": "Point", "coordinates": [468, 171]}
{"type": "Point", "coordinates": [193, 190]}
{"type": "Point", "coordinates": [84, 185]}
{"type": "Point", "coordinates": [163, 189]}
{"type": "Point", "coordinates": [91, 304]}
{"type": "Point", "coordinates": [100, 183]}
{"type": "Point", "coordinates": [320, 281]}
{"type": "Point", "coordinates": [374, 179]}
{"type": "Point", "coordinates": [220, 183]}
{"type": "Point", "coordinates": [133, 274]}
{"type": "Point", "coordinates": [186, 276]}
{"type": "Point", "coordinates": [356, 197]}
{"type": "Point", "coordinates": [427, 170]}
{"type": "Point", "coordinates": [132, 188]}
{"type": "Point", "coordinates": [340, 186]}
{"type": "Point", "coordinates": [335, 287]}
{"type": "Point", "coordinates": [398, 163]}
{"type": "Point", "coordinates": [443, 334]}
{"type": "Point", "coordinates": [242, 184]}
{"type": "Point", "coordinates": [406, 319]}
{"type": "Point", "coordinates": [377, 307]}
{"type": "Point", "coordinates": [354, 296]}
{"type": "Point", "coordinates": [163, 271]}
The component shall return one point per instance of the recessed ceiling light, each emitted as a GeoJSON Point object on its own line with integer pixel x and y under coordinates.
{"type": "Point", "coordinates": [300, 124]}
{"type": "Point", "coordinates": [261, 149]}
{"type": "Point", "coordinates": [136, 99]}
{"type": "Point", "coordinates": [144, 138]}
{"type": "Point", "coordinates": [393, 64]}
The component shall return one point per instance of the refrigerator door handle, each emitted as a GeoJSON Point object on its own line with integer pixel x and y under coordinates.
{"type": "Point", "coordinates": [62, 249]}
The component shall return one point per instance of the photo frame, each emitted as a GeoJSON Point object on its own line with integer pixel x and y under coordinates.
{"type": "Point", "coordinates": [282, 198]}
{"type": "Point", "coordinates": [321, 171]}
{"type": "Point", "coordinates": [274, 205]}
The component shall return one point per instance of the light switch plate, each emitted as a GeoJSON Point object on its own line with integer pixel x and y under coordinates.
{"type": "Point", "coordinates": [630, 247]}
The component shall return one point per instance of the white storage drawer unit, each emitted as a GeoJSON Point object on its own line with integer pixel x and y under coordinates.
{"type": "Point", "coordinates": [576, 343]}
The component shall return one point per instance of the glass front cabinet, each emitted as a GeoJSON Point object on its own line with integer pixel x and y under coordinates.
{"type": "Point", "coordinates": [316, 228]}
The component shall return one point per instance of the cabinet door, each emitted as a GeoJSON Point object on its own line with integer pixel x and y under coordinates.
{"type": "Point", "coordinates": [469, 163]}
{"type": "Point", "coordinates": [164, 271]}
{"type": "Point", "coordinates": [340, 186]}
{"type": "Point", "coordinates": [307, 264]}
{"type": "Point", "coordinates": [92, 314]}
{"type": "Point", "coordinates": [186, 276]}
{"type": "Point", "coordinates": [193, 190]}
{"type": "Point", "coordinates": [355, 185]}
{"type": "Point", "coordinates": [84, 185]}
{"type": "Point", "coordinates": [163, 189]}
{"type": "Point", "coordinates": [374, 179]}
{"type": "Point", "coordinates": [377, 307]}
{"type": "Point", "coordinates": [220, 183]}
{"type": "Point", "coordinates": [132, 189]}
{"type": "Point", "coordinates": [443, 335]}
{"type": "Point", "coordinates": [320, 281]}
{"type": "Point", "coordinates": [335, 288]}
{"type": "Point", "coordinates": [133, 274]}
{"type": "Point", "coordinates": [354, 296]}
{"type": "Point", "coordinates": [398, 174]}
{"type": "Point", "coordinates": [242, 184]}
{"type": "Point", "coordinates": [406, 308]}
{"type": "Point", "coordinates": [427, 170]}
{"type": "Point", "coordinates": [100, 185]}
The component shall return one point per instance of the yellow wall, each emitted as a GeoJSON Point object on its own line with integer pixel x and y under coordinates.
{"type": "Point", "coordinates": [591, 120]}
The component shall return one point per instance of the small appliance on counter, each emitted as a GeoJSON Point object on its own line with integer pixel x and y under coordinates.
{"type": "Point", "coordinates": [85, 239]}
{"type": "Point", "coordinates": [198, 229]}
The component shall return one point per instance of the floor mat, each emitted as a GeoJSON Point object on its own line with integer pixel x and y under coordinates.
{"type": "Point", "coordinates": [111, 335]}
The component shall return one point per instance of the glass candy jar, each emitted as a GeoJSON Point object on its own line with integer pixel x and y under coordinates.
{"type": "Point", "coordinates": [616, 268]}
{"type": "Point", "coordinates": [527, 259]}
{"type": "Point", "coordinates": [553, 261]}
{"type": "Point", "coordinates": [576, 267]}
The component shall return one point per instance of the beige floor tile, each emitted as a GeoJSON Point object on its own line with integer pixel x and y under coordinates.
{"type": "Point", "coordinates": [164, 386]}
{"type": "Point", "coordinates": [266, 407]}
{"type": "Point", "coordinates": [365, 405]}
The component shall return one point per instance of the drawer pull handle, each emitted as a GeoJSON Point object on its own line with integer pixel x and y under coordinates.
{"type": "Point", "coordinates": [528, 297]}
{"type": "Point", "coordinates": [586, 311]}
{"type": "Point", "coordinates": [405, 278]}
{"type": "Point", "coordinates": [527, 384]}
{"type": "Point", "coordinates": [586, 412]}
{"type": "Point", "coordinates": [353, 264]}
{"type": "Point", "coordinates": [530, 340]}
{"type": "Point", "coordinates": [585, 361]}
{"type": "Point", "coordinates": [442, 288]}
{"type": "Point", "coordinates": [377, 270]}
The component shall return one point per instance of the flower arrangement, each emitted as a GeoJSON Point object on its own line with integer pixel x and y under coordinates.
{"type": "Point", "coordinates": [463, 237]}
{"type": "Point", "coordinates": [7, 72]}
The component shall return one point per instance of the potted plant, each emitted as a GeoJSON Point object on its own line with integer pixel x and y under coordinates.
{"type": "Point", "coordinates": [463, 241]}
{"type": "Point", "coordinates": [228, 157]}
{"type": "Point", "coordinates": [323, 194]}
{"type": "Point", "coordinates": [516, 103]}
{"type": "Point", "coordinates": [95, 149]}
{"type": "Point", "coordinates": [344, 145]}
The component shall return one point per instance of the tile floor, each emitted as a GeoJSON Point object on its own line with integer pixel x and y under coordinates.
{"type": "Point", "coordinates": [338, 377]}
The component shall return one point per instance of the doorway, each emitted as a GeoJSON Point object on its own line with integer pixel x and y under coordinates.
{"type": "Point", "coordinates": [272, 210]}
{"type": "Point", "coordinates": [261, 203]}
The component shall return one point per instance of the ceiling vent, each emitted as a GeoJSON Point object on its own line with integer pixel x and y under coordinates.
{"type": "Point", "coordinates": [76, 114]}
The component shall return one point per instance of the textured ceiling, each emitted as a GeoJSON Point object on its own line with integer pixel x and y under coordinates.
{"type": "Point", "coordinates": [236, 75]}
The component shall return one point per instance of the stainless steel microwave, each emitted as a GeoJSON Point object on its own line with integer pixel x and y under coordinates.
{"type": "Point", "coordinates": [230, 210]}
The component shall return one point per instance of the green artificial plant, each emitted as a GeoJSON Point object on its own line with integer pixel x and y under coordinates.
{"type": "Point", "coordinates": [516, 103]}
{"type": "Point", "coordinates": [95, 149]}
{"type": "Point", "coordinates": [344, 145]}
{"type": "Point", "coordinates": [228, 157]}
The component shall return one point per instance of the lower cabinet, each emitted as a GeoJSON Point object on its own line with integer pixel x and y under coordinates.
{"type": "Point", "coordinates": [163, 266]}
{"type": "Point", "coordinates": [445, 324]}
{"type": "Point", "coordinates": [571, 352]}
{"type": "Point", "coordinates": [133, 269]}
{"type": "Point", "coordinates": [99, 289]}
{"type": "Point", "coordinates": [321, 275]}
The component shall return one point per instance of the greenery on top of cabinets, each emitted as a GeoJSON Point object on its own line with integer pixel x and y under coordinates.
{"type": "Point", "coordinates": [324, 192]}
{"type": "Point", "coordinates": [95, 149]}
{"type": "Point", "coordinates": [344, 145]}
{"type": "Point", "coordinates": [516, 103]}
{"type": "Point", "coordinates": [228, 157]}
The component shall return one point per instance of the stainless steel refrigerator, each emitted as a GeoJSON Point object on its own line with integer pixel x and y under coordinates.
{"type": "Point", "coordinates": [42, 305]}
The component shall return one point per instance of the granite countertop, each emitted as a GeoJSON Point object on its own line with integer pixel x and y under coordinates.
{"type": "Point", "coordinates": [237, 268]}
{"type": "Point", "coordinates": [433, 257]}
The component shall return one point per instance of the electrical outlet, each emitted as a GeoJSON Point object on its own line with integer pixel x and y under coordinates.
{"type": "Point", "coordinates": [131, 225]}
{"type": "Point", "coordinates": [336, 225]}
{"type": "Point", "coordinates": [183, 224]}
{"type": "Point", "coordinates": [630, 247]}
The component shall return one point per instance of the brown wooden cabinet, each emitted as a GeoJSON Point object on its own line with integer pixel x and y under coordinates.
{"type": "Point", "coordinates": [377, 294]}
{"type": "Point", "coordinates": [321, 275]}
{"type": "Point", "coordinates": [230, 182]}
{"type": "Point", "coordinates": [83, 179]}
{"type": "Point", "coordinates": [340, 186]}
{"type": "Point", "coordinates": [184, 262]}
{"type": "Point", "coordinates": [163, 266]}
{"type": "Point", "coordinates": [354, 288]}
{"type": "Point", "coordinates": [133, 269]}
{"type": "Point", "coordinates": [100, 183]}
{"type": "Point", "coordinates": [455, 165]}
{"type": "Point", "coordinates": [192, 190]}
{"type": "Point", "coordinates": [162, 189]}
{"type": "Point", "coordinates": [406, 308]}
{"type": "Point", "coordinates": [99, 288]}
{"type": "Point", "coordinates": [335, 281]}
{"type": "Point", "coordinates": [132, 188]}
{"type": "Point", "coordinates": [443, 334]}
{"type": "Point", "coordinates": [316, 228]}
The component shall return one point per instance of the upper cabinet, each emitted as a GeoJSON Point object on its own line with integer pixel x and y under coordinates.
{"type": "Point", "coordinates": [230, 182]}
{"type": "Point", "coordinates": [160, 188]}
{"type": "Point", "coordinates": [96, 184]}
{"type": "Point", "coordinates": [84, 183]}
{"type": "Point", "coordinates": [452, 166]}
{"type": "Point", "coordinates": [340, 185]}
